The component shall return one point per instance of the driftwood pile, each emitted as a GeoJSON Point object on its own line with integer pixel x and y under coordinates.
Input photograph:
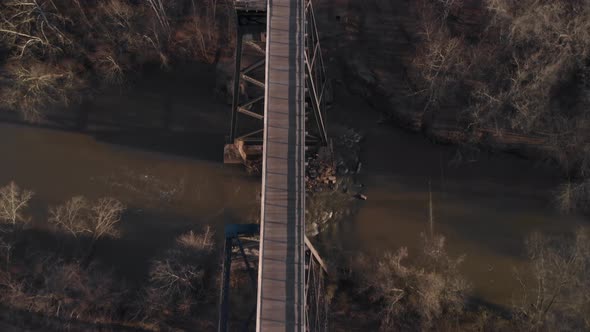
{"type": "Point", "coordinates": [326, 166]}
{"type": "Point", "coordinates": [320, 173]}
{"type": "Point", "coordinates": [333, 162]}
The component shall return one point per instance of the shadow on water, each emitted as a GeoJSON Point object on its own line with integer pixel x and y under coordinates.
{"type": "Point", "coordinates": [191, 144]}
{"type": "Point", "coordinates": [167, 112]}
{"type": "Point", "coordinates": [144, 237]}
{"type": "Point", "coordinates": [202, 146]}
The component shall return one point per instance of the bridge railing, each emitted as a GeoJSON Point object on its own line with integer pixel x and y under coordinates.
{"type": "Point", "coordinates": [316, 281]}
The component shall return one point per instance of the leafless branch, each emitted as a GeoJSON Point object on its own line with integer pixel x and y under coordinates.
{"type": "Point", "coordinates": [13, 200]}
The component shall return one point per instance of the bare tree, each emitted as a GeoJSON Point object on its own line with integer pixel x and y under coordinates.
{"type": "Point", "coordinates": [34, 26]}
{"type": "Point", "coordinates": [177, 280]}
{"type": "Point", "coordinates": [420, 294]}
{"type": "Point", "coordinates": [79, 216]}
{"type": "Point", "coordinates": [574, 196]}
{"type": "Point", "coordinates": [441, 60]}
{"type": "Point", "coordinates": [106, 213]}
{"type": "Point", "coordinates": [71, 216]}
{"type": "Point", "coordinates": [559, 296]}
{"type": "Point", "coordinates": [34, 85]}
{"type": "Point", "coordinates": [13, 200]}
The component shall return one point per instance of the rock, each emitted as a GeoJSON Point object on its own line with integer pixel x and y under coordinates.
{"type": "Point", "coordinates": [313, 173]}
{"type": "Point", "coordinates": [342, 170]}
{"type": "Point", "coordinates": [326, 216]}
{"type": "Point", "coordinates": [361, 197]}
{"type": "Point", "coordinates": [358, 167]}
{"type": "Point", "coordinates": [313, 230]}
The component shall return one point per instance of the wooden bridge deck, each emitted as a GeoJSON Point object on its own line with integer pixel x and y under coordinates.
{"type": "Point", "coordinates": [281, 277]}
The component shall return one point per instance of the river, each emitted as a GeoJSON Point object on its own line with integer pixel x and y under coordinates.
{"type": "Point", "coordinates": [172, 179]}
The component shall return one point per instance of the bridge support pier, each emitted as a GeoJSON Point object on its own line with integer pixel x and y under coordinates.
{"type": "Point", "coordinates": [240, 239]}
{"type": "Point", "coordinates": [244, 143]}
{"type": "Point", "coordinates": [247, 115]}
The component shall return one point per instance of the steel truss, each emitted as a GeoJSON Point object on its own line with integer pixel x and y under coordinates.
{"type": "Point", "coordinates": [240, 239]}
{"type": "Point", "coordinates": [247, 117]}
{"type": "Point", "coordinates": [316, 279]}
{"type": "Point", "coordinates": [316, 79]}
{"type": "Point", "coordinates": [251, 27]}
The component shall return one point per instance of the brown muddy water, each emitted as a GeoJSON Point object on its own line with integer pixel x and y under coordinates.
{"type": "Point", "coordinates": [158, 147]}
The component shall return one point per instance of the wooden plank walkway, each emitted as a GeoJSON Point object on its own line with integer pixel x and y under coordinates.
{"type": "Point", "coordinates": [281, 276]}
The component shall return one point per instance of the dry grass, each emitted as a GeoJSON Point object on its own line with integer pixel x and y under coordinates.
{"type": "Point", "coordinates": [197, 242]}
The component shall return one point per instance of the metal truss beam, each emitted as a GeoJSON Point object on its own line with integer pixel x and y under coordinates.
{"type": "Point", "coordinates": [316, 75]}
{"type": "Point", "coordinates": [316, 277]}
{"type": "Point", "coordinates": [234, 235]}
{"type": "Point", "coordinates": [251, 19]}
{"type": "Point", "coordinates": [250, 22]}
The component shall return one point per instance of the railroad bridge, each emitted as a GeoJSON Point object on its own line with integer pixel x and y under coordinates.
{"type": "Point", "coordinates": [278, 113]}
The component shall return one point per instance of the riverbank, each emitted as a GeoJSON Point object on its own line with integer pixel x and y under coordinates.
{"type": "Point", "coordinates": [443, 69]}
{"type": "Point", "coordinates": [172, 179]}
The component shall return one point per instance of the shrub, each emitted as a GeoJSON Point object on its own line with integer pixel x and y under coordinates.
{"type": "Point", "coordinates": [418, 295]}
